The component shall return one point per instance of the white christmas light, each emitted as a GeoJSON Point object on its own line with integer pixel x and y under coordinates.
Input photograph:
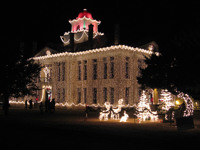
{"type": "Point", "coordinates": [124, 118]}
{"type": "Point", "coordinates": [188, 103]}
{"type": "Point", "coordinates": [167, 101]}
{"type": "Point", "coordinates": [104, 114]}
{"type": "Point", "coordinates": [144, 109]}
{"type": "Point", "coordinates": [116, 47]}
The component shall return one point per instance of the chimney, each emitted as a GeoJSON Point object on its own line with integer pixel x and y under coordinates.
{"type": "Point", "coordinates": [71, 41]}
{"type": "Point", "coordinates": [117, 34]}
{"type": "Point", "coordinates": [90, 38]}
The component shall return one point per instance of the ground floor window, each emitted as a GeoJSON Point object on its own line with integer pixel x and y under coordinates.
{"type": "Point", "coordinates": [112, 95]}
{"type": "Point", "coordinates": [126, 95]}
{"type": "Point", "coordinates": [95, 95]}
{"type": "Point", "coordinates": [79, 95]}
{"type": "Point", "coordinates": [85, 95]}
{"type": "Point", "coordinates": [105, 94]}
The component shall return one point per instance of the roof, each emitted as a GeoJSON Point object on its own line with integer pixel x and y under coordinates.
{"type": "Point", "coordinates": [45, 52]}
{"type": "Point", "coordinates": [116, 47]}
{"type": "Point", "coordinates": [84, 13]}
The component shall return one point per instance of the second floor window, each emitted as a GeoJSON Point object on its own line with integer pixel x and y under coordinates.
{"type": "Point", "coordinates": [58, 71]}
{"type": "Point", "coordinates": [112, 69]}
{"type": "Point", "coordinates": [85, 70]}
{"type": "Point", "coordinates": [127, 68]}
{"type": "Point", "coordinates": [105, 68]}
{"type": "Point", "coordinates": [79, 70]}
{"type": "Point", "coordinates": [94, 69]}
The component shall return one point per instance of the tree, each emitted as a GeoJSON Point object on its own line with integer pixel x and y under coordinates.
{"type": "Point", "coordinates": [172, 70]}
{"type": "Point", "coordinates": [18, 74]}
{"type": "Point", "coordinates": [158, 73]}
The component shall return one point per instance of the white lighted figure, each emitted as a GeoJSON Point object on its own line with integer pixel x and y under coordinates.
{"type": "Point", "coordinates": [115, 111]}
{"type": "Point", "coordinates": [104, 114]}
{"type": "Point", "coordinates": [107, 105]}
{"type": "Point", "coordinates": [124, 118]}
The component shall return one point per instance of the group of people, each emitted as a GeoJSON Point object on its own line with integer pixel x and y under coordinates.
{"type": "Point", "coordinates": [48, 105]}
{"type": "Point", "coordinates": [30, 104]}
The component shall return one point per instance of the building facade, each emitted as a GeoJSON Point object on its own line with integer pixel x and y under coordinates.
{"type": "Point", "coordinates": [92, 76]}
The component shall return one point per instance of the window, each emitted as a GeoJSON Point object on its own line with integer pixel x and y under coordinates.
{"type": "Point", "coordinates": [63, 71]}
{"type": "Point", "coordinates": [85, 95]}
{"type": "Point", "coordinates": [94, 69]}
{"type": "Point", "coordinates": [63, 94]}
{"type": "Point", "coordinates": [77, 28]}
{"type": "Point", "coordinates": [127, 68]}
{"type": "Point", "coordinates": [58, 95]}
{"type": "Point", "coordinates": [105, 68]}
{"type": "Point", "coordinates": [79, 70]}
{"type": "Point", "coordinates": [111, 67]}
{"type": "Point", "coordinates": [112, 95]}
{"type": "Point", "coordinates": [126, 95]}
{"type": "Point", "coordinates": [105, 94]}
{"type": "Point", "coordinates": [85, 70]}
{"type": "Point", "coordinates": [94, 95]}
{"type": "Point", "coordinates": [58, 71]}
{"type": "Point", "coordinates": [79, 95]}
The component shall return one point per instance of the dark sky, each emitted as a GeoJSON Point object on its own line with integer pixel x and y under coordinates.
{"type": "Point", "coordinates": [140, 21]}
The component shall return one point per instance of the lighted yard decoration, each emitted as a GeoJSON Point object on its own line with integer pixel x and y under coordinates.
{"type": "Point", "coordinates": [184, 114]}
{"type": "Point", "coordinates": [167, 102]}
{"type": "Point", "coordinates": [113, 112]}
{"type": "Point", "coordinates": [189, 107]}
{"type": "Point", "coordinates": [124, 118]}
{"type": "Point", "coordinates": [104, 113]}
{"type": "Point", "coordinates": [144, 110]}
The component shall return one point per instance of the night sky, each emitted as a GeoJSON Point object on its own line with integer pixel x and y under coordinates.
{"type": "Point", "coordinates": [140, 21]}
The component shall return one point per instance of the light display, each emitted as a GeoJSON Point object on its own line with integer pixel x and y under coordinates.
{"type": "Point", "coordinates": [115, 47]}
{"type": "Point", "coordinates": [61, 89]}
{"type": "Point", "coordinates": [80, 28]}
{"type": "Point", "coordinates": [103, 115]}
{"type": "Point", "coordinates": [188, 104]}
{"type": "Point", "coordinates": [124, 118]}
{"type": "Point", "coordinates": [47, 73]}
{"type": "Point", "coordinates": [115, 111]}
{"type": "Point", "coordinates": [167, 102]}
{"type": "Point", "coordinates": [144, 110]}
{"type": "Point", "coordinates": [81, 36]}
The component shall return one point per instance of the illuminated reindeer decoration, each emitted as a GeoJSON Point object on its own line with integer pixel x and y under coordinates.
{"type": "Point", "coordinates": [115, 111]}
{"type": "Point", "coordinates": [104, 114]}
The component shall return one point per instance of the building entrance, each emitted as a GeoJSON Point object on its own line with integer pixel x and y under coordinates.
{"type": "Point", "coordinates": [48, 94]}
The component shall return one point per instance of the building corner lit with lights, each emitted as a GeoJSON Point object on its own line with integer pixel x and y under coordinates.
{"type": "Point", "coordinates": [88, 72]}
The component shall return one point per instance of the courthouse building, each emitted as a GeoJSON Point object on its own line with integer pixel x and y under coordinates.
{"type": "Point", "coordinates": [91, 75]}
